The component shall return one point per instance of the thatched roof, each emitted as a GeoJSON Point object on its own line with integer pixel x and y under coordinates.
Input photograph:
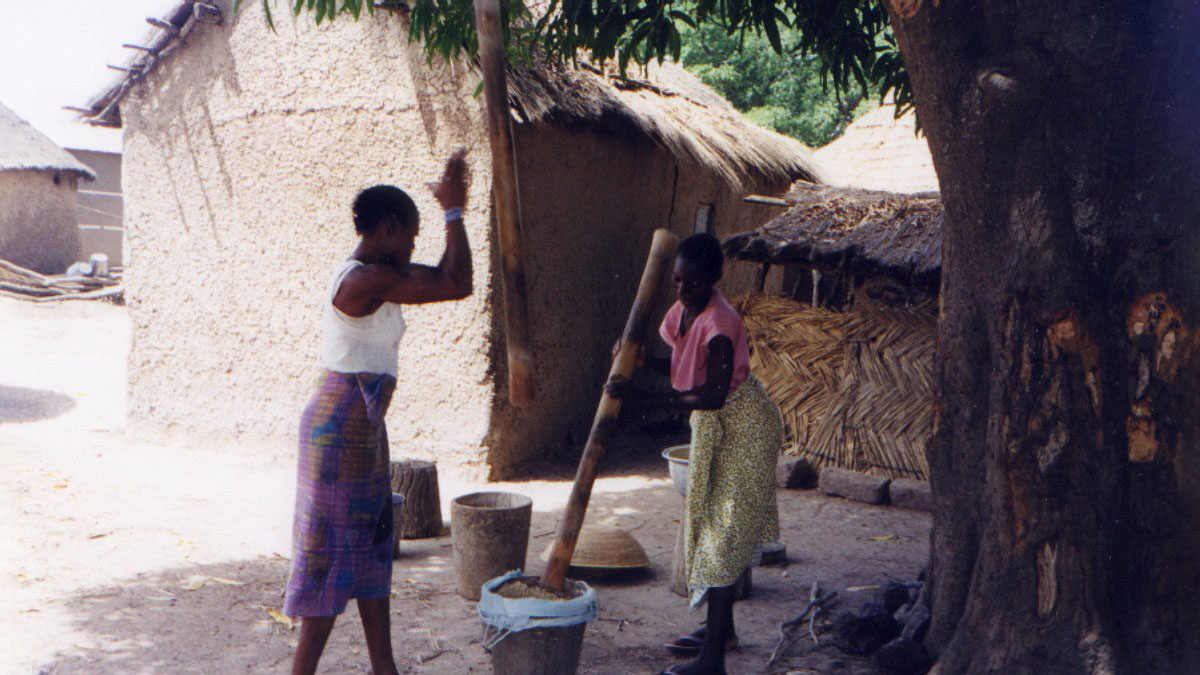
{"type": "Point", "coordinates": [880, 152]}
{"type": "Point", "coordinates": [157, 45]}
{"type": "Point", "coordinates": [24, 148]}
{"type": "Point", "coordinates": [869, 232]}
{"type": "Point", "coordinates": [672, 107]}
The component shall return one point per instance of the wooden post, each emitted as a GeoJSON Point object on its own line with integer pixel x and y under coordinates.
{"type": "Point", "coordinates": [417, 480]}
{"type": "Point", "coordinates": [661, 250]}
{"type": "Point", "coordinates": [508, 211]}
{"type": "Point", "coordinates": [760, 278]}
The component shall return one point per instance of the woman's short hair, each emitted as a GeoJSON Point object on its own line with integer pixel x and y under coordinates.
{"type": "Point", "coordinates": [385, 205]}
{"type": "Point", "coordinates": [704, 251]}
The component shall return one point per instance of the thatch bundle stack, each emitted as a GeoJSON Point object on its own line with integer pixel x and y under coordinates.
{"type": "Point", "coordinates": [855, 387]}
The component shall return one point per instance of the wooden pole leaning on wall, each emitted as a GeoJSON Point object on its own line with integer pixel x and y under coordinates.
{"type": "Point", "coordinates": [504, 190]}
{"type": "Point", "coordinates": [632, 339]}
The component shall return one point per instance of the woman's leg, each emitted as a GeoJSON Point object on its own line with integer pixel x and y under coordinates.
{"type": "Point", "coordinates": [378, 631]}
{"type": "Point", "coordinates": [720, 626]}
{"type": "Point", "coordinates": [314, 632]}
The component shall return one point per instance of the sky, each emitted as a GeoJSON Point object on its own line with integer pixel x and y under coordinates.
{"type": "Point", "coordinates": [55, 53]}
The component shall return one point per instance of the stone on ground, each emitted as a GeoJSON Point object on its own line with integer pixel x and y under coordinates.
{"type": "Point", "coordinates": [854, 485]}
{"type": "Point", "coordinates": [911, 494]}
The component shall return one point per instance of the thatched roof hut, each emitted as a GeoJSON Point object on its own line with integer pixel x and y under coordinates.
{"type": "Point", "coordinates": [38, 183]}
{"type": "Point", "coordinates": [864, 232]}
{"type": "Point", "coordinates": [848, 355]}
{"type": "Point", "coordinates": [880, 151]}
{"type": "Point", "coordinates": [671, 106]}
{"type": "Point", "coordinates": [243, 148]}
{"type": "Point", "coordinates": [23, 148]}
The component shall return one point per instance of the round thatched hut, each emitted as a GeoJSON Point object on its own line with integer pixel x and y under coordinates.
{"type": "Point", "coordinates": [39, 228]}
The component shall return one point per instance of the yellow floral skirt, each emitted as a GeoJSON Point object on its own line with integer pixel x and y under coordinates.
{"type": "Point", "coordinates": [731, 509]}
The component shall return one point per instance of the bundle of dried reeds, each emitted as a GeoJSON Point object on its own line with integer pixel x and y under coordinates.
{"type": "Point", "coordinates": [855, 387]}
{"type": "Point", "coordinates": [24, 284]}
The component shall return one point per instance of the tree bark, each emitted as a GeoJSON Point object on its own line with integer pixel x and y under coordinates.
{"type": "Point", "coordinates": [1065, 460]}
{"type": "Point", "coordinates": [422, 510]}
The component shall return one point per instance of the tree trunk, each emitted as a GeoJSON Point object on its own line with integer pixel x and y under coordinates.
{"type": "Point", "coordinates": [1065, 456]}
{"type": "Point", "coordinates": [422, 510]}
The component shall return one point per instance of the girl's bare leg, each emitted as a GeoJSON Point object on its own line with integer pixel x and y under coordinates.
{"type": "Point", "coordinates": [314, 632]}
{"type": "Point", "coordinates": [377, 627]}
{"type": "Point", "coordinates": [720, 626]}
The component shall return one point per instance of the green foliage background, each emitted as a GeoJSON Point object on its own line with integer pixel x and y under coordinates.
{"type": "Point", "coordinates": [781, 91]}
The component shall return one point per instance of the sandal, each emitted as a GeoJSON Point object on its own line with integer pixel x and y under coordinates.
{"type": "Point", "coordinates": [690, 645]}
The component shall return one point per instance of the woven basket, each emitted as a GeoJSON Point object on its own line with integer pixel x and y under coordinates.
{"type": "Point", "coordinates": [605, 548]}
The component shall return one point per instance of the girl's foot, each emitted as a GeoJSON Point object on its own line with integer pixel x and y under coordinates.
{"type": "Point", "coordinates": [690, 645]}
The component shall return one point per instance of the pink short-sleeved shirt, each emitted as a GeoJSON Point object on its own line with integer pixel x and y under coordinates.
{"type": "Point", "coordinates": [689, 354]}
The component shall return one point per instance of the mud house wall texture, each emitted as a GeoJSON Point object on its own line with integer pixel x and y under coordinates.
{"type": "Point", "coordinates": [590, 201]}
{"type": "Point", "coordinates": [242, 156]}
{"type": "Point", "coordinates": [38, 228]}
{"type": "Point", "coordinates": [728, 213]}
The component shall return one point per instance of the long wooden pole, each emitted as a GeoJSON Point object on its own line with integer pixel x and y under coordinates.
{"type": "Point", "coordinates": [504, 190]}
{"type": "Point", "coordinates": [661, 250]}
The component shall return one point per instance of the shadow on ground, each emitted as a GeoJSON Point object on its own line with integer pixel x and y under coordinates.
{"type": "Point", "coordinates": [633, 451]}
{"type": "Point", "coordinates": [21, 404]}
{"type": "Point", "coordinates": [218, 618]}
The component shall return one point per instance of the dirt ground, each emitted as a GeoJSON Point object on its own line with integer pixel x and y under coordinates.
{"type": "Point", "coordinates": [131, 552]}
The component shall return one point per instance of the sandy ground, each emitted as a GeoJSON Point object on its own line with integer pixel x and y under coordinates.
{"type": "Point", "coordinates": [129, 552]}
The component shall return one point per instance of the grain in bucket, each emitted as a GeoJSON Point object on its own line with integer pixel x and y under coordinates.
{"type": "Point", "coordinates": [490, 532]}
{"type": "Point", "coordinates": [531, 630]}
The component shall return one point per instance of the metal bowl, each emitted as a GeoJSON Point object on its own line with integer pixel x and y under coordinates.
{"type": "Point", "coordinates": [677, 457]}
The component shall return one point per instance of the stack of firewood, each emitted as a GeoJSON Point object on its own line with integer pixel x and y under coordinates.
{"type": "Point", "coordinates": [24, 284]}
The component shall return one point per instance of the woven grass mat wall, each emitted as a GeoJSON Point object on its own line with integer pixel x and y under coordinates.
{"type": "Point", "coordinates": [854, 387]}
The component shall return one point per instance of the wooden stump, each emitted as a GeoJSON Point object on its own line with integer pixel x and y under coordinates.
{"type": "Point", "coordinates": [422, 511]}
{"type": "Point", "coordinates": [679, 572]}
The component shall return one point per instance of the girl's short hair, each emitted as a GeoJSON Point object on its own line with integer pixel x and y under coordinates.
{"type": "Point", "coordinates": [385, 205]}
{"type": "Point", "coordinates": [704, 251]}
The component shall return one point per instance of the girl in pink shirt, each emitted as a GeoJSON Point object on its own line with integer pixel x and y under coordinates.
{"type": "Point", "coordinates": [736, 435]}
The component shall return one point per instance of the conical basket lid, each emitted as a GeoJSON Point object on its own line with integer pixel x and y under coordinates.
{"type": "Point", "coordinates": [605, 547]}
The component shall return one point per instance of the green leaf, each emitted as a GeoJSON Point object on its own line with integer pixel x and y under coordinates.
{"type": "Point", "coordinates": [683, 17]}
{"type": "Point", "coordinates": [772, 31]}
{"type": "Point", "coordinates": [270, 19]}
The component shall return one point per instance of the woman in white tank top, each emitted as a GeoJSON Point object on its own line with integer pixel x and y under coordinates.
{"type": "Point", "coordinates": [342, 536]}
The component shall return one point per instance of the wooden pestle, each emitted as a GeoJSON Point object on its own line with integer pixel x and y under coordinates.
{"type": "Point", "coordinates": [661, 251]}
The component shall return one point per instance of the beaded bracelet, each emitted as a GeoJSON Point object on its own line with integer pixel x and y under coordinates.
{"type": "Point", "coordinates": [454, 213]}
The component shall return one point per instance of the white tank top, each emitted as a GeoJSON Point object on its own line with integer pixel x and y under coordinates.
{"type": "Point", "coordinates": [366, 344]}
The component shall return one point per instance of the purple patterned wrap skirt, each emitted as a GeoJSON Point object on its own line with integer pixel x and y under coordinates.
{"type": "Point", "coordinates": [342, 534]}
